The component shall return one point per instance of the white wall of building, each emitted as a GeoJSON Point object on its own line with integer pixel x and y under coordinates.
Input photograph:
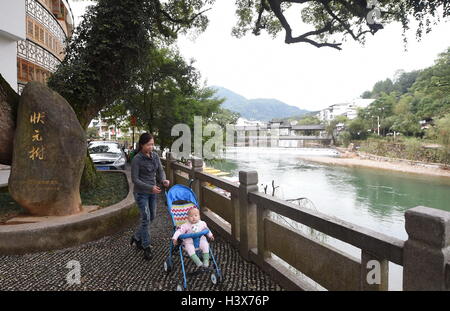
{"type": "Point", "coordinates": [12, 19]}
{"type": "Point", "coordinates": [347, 109]}
{"type": "Point", "coordinates": [8, 61]}
{"type": "Point", "coordinates": [12, 29]}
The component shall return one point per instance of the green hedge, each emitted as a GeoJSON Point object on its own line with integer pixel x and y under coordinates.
{"type": "Point", "coordinates": [404, 148]}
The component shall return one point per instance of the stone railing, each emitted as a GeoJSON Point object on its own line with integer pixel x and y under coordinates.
{"type": "Point", "coordinates": [243, 219]}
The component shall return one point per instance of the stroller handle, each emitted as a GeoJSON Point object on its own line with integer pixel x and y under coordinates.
{"type": "Point", "coordinates": [193, 235]}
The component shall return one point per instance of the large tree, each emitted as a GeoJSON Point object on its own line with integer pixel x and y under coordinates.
{"type": "Point", "coordinates": [110, 41]}
{"type": "Point", "coordinates": [165, 91]}
{"type": "Point", "coordinates": [106, 49]}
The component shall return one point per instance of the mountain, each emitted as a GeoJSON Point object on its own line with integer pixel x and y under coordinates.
{"type": "Point", "coordinates": [261, 109]}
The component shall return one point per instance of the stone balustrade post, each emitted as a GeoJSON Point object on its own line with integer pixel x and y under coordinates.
{"type": "Point", "coordinates": [426, 253]}
{"type": "Point", "coordinates": [248, 182]}
{"type": "Point", "coordinates": [197, 166]}
{"type": "Point", "coordinates": [170, 159]}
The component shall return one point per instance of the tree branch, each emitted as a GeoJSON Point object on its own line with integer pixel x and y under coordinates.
{"type": "Point", "coordinates": [258, 26]}
{"type": "Point", "coordinates": [182, 21]}
{"type": "Point", "coordinates": [344, 24]}
{"type": "Point", "coordinates": [275, 5]}
{"type": "Point", "coordinates": [185, 21]}
{"type": "Point", "coordinates": [303, 38]}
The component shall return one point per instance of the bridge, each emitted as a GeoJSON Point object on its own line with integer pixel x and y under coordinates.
{"type": "Point", "coordinates": [279, 135]}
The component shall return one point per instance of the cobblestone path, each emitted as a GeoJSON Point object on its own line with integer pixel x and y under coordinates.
{"type": "Point", "coordinates": [112, 264]}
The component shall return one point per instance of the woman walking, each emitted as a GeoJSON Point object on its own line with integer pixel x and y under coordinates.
{"type": "Point", "coordinates": [146, 172]}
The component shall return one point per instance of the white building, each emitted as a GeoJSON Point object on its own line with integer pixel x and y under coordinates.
{"type": "Point", "coordinates": [12, 30]}
{"type": "Point", "coordinates": [359, 103]}
{"type": "Point", "coordinates": [109, 131]}
{"type": "Point", "coordinates": [33, 36]}
{"type": "Point", "coordinates": [350, 109]}
{"type": "Point", "coordinates": [244, 122]}
{"type": "Point", "coordinates": [121, 131]}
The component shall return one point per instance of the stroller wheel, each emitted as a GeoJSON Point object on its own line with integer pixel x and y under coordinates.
{"type": "Point", "coordinates": [214, 278]}
{"type": "Point", "coordinates": [179, 288]}
{"type": "Point", "coordinates": [168, 265]}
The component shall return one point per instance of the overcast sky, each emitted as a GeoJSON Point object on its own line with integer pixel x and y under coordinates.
{"type": "Point", "coordinates": [300, 74]}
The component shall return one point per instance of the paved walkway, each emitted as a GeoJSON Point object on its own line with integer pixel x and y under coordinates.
{"type": "Point", "coordinates": [112, 264]}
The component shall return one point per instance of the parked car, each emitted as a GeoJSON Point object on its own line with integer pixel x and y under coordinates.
{"type": "Point", "coordinates": [107, 155]}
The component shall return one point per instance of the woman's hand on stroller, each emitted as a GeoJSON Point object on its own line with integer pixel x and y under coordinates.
{"type": "Point", "coordinates": [166, 183]}
{"type": "Point", "coordinates": [175, 242]}
{"type": "Point", "coordinates": [156, 189]}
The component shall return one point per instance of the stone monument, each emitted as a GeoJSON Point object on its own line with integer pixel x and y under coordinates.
{"type": "Point", "coordinates": [49, 154]}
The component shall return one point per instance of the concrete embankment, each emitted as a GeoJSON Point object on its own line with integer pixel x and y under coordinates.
{"type": "Point", "coordinates": [377, 162]}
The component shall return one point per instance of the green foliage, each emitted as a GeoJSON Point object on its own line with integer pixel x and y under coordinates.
{"type": "Point", "coordinates": [405, 80]}
{"type": "Point", "coordinates": [344, 138]}
{"type": "Point", "coordinates": [413, 148]}
{"type": "Point", "coordinates": [402, 83]}
{"type": "Point", "coordinates": [109, 43]}
{"type": "Point", "coordinates": [432, 89]}
{"type": "Point", "coordinates": [407, 124]}
{"type": "Point", "coordinates": [404, 148]}
{"type": "Point", "coordinates": [90, 179]}
{"type": "Point", "coordinates": [415, 96]}
{"type": "Point", "coordinates": [166, 91]}
{"type": "Point", "coordinates": [113, 190]}
{"type": "Point", "coordinates": [106, 50]}
{"type": "Point", "coordinates": [443, 130]}
{"type": "Point", "coordinates": [309, 120]}
{"type": "Point", "coordinates": [334, 21]}
{"type": "Point", "coordinates": [443, 133]}
{"type": "Point", "coordinates": [91, 132]}
{"type": "Point", "coordinates": [357, 129]}
{"type": "Point", "coordinates": [330, 127]}
{"type": "Point", "coordinates": [223, 117]}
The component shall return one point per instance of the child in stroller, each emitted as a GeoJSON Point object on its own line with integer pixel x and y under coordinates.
{"type": "Point", "coordinates": [194, 225]}
{"type": "Point", "coordinates": [181, 200]}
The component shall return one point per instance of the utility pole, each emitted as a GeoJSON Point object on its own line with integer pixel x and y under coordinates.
{"type": "Point", "coordinates": [133, 124]}
{"type": "Point", "coordinates": [378, 121]}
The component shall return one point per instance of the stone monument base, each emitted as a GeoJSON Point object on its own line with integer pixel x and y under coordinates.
{"type": "Point", "coordinates": [25, 219]}
{"type": "Point", "coordinates": [36, 234]}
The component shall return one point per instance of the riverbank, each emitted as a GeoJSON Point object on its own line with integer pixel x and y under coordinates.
{"type": "Point", "coordinates": [362, 160]}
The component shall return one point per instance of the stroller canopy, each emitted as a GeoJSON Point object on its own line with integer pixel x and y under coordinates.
{"type": "Point", "coordinates": [180, 199]}
{"type": "Point", "coordinates": [181, 192]}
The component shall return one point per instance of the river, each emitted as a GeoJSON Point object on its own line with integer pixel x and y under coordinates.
{"type": "Point", "coordinates": [375, 199]}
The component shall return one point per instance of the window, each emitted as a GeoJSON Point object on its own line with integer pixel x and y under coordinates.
{"type": "Point", "coordinates": [24, 72]}
{"type": "Point", "coordinates": [36, 32]}
{"type": "Point", "coordinates": [18, 68]}
{"type": "Point", "coordinates": [30, 29]}
{"type": "Point", "coordinates": [41, 35]}
{"type": "Point", "coordinates": [30, 72]}
{"type": "Point", "coordinates": [56, 7]}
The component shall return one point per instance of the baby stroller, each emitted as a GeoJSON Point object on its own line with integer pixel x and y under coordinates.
{"type": "Point", "coordinates": [179, 200]}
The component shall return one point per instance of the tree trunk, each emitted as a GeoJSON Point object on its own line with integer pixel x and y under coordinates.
{"type": "Point", "coordinates": [90, 178]}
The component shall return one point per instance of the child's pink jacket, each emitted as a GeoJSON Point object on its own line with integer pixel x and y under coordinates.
{"type": "Point", "coordinates": [191, 228]}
